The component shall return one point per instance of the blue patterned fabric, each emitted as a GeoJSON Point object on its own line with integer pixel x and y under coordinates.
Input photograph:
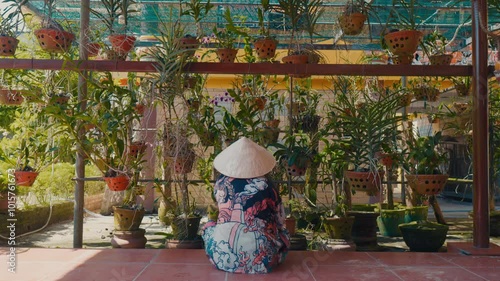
{"type": "Point", "coordinates": [249, 235]}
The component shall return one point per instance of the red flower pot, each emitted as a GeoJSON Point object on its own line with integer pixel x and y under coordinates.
{"type": "Point", "coordinates": [121, 43]}
{"type": "Point", "coordinates": [404, 42]}
{"type": "Point", "coordinates": [265, 48]}
{"type": "Point", "coordinates": [183, 164]}
{"type": "Point", "coordinates": [25, 178]}
{"type": "Point", "coordinates": [352, 24]}
{"type": "Point", "coordinates": [368, 182]}
{"type": "Point", "coordinates": [8, 46]}
{"type": "Point", "coordinates": [93, 49]}
{"type": "Point", "coordinates": [10, 97]}
{"type": "Point", "coordinates": [188, 45]}
{"type": "Point", "coordinates": [118, 183]}
{"type": "Point", "coordinates": [54, 40]}
{"type": "Point", "coordinates": [226, 55]}
{"type": "Point", "coordinates": [427, 184]}
{"type": "Point", "coordinates": [136, 149]}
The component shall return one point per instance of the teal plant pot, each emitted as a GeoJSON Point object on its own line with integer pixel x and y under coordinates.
{"type": "Point", "coordinates": [363, 207]}
{"type": "Point", "coordinates": [389, 220]}
{"type": "Point", "coordinates": [418, 213]}
{"type": "Point", "coordinates": [424, 236]}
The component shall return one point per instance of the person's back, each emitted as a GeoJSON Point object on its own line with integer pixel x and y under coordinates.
{"type": "Point", "coordinates": [249, 235]}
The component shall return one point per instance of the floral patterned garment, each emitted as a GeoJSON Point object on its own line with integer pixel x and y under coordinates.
{"type": "Point", "coordinates": [249, 235]}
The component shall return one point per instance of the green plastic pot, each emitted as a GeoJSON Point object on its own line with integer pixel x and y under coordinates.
{"type": "Point", "coordinates": [418, 213]}
{"type": "Point", "coordinates": [424, 236]}
{"type": "Point", "coordinates": [389, 220]}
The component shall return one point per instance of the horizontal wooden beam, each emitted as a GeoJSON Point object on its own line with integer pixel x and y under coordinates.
{"type": "Point", "coordinates": [245, 68]}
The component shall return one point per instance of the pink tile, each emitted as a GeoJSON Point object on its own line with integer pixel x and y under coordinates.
{"type": "Point", "coordinates": [354, 273]}
{"type": "Point", "coordinates": [473, 261]}
{"type": "Point", "coordinates": [467, 247]}
{"type": "Point", "coordinates": [181, 256]}
{"type": "Point", "coordinates": [487, 273]}
{"type": "Point", "coordinates": [98, 271]}
{"type": "Point", "coordinates": [435, 273]}
{"type": "Point", "coordinates": [286, 271]}
{"type": "Point", "coordinates": [313, 258]}
{"type": "Point", "coordinates": [406, 259]}
{"type": "Point", "coordinates": [49, 255]}
{"type": "Point", "coordinates": [181, 272]}
{"type": "Point", "coordinates": [28, 271]}
{"type": "Point", "coordinates": [122, 255]}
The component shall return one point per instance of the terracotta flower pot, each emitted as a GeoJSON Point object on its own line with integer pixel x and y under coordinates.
{"type": "Point", "coordinates": [183, 164]}
{"type": "Point", "coordinates": [188, 45]}
{"type": "Point", "coordinates": [54, 40]}
{"type": "Point", "coordinates": [352, 24]}
{"type": "Point", "coordinates": [121, 43]}
{"type": "Point", "coordinates": [296, 171]}
{"type": "Point", "coordinates": [137, 148]}
{"type": "Point", "coordinates": [443, 59]}
{"type": "Point", "coordinates": [272, 123]}
{"type": "Point", "coordinates": [296, 59]}
{"type": "Point", "coordinates": [260, 102]}
{"type": "Point", "coordinates": [427, 184]}
{"type": "Point", "coordinates": [25, 178]}
{"type": "Point", "coordinates": [8, 46]}
{"type": "Point", "coordinates": [404, 59]}
{"type": "Point", "coordinates": [93, 49]}
{"type": "Point", "coordinates": [291, 225]}
{"type": "Point", "coordinates": [368, 182]}
{"type": "Point", "coordinates": [118, 183]}
{"type": "Point", "coordinates": [265, 48]}
{"type": "Point", "coordinates": [11, 97]}
{"type": "Point", "coordinates": [127, 219]}
{"type": "Point", "coordinates": [226, 55]}
{"type": "Point", "coordinates": [404, 42]}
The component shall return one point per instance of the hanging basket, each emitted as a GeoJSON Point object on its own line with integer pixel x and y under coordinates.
{"type": "Point", "coordinates": [404, 42]}
{"type": "Point", "coordinates": [352, 24]}
{"type": "Point", "coordinates": [11, 97]}
{"type": "Point", "coordinates": [226, 55]}
{"type": "Point", "coordinates": [443, 59]}
{"type": "Point", "coordinates": [404, 59]}
{"type": "Point", "coordinates": [121, 43]}
{"type": "Point", "coordinates": [265, 48]}
{"type": "Point", "coordinates": [188, 45]}
{"type": "Point", "coordinates": [25, 178]}
{"type": "Point", "coordinates": [93, 49]}
{"type": "Point", "coordinates": [368, 182]}
{"type": "Point", "coordinates": [137, 148]}
{"type": "Point", "coordinates": [296, 171]}
{"type": "Point", "coordinates": [8, 46]}
{"type": "Point", "coordinates": [427, 184]}
{"type": "Point", "coordinates": [54, 40]}
{"type": "Point", "coordinates": [183, 164]}
{"type": "Point", "coordinates": [118, 183]}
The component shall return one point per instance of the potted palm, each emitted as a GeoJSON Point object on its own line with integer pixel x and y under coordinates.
{"type": "Point", "coordinates": [10, 21]}
{"type": "Point", "coordinates": [52, 37]}
{"type": "Point", "coordinates": [121, 42]}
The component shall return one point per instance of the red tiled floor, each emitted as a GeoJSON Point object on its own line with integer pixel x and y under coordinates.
{"type": "Point", "coordinates": [181, 272]}
{"type": "Point", "coordinates": [414, 259]}
{"type": "Point", "coordinates": [435, 273]}
{"type": "Point", "coordinates": [469, 249]}
{"type": "Point", "coordinates": [180, 265]}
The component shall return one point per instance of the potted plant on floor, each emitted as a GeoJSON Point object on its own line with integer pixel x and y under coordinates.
{"type": "Point", "coordinates": [424, 236]}
{"type": "Point", "coordinates": [52, 37]}
{"type": "Point", "coordinates": [117, 11]}
{"type": "Point", "coordinates": [11, 20]}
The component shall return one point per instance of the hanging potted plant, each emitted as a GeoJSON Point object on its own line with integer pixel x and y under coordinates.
{"type": "Point", "coordinates": [307, 120]}
{"type": "Point", "coordinates": [295, 154]}
{"type": "Point", "coordinates": [424, 164]}
{"type": "Point", "coordinates": [265, 45]}
{"type": "Point", "coordinates": [11, 19]}
{"type": "Point", "coordinates": [52, 37]}
{"type": "Point", "coordinates": [403, 39]}
{"type": "Point", "coordinates": [11, 97]}
{"type": "Point", "coordinates": [434, 46]}
{"type": "Point", "coordinates": [197, 11]}
{"type": "Point", "coordinates": [353, 17]}
{"type": "Point", "coordinates": [116, 18]}
{"type": "Point", "coordinates": [226, 38]}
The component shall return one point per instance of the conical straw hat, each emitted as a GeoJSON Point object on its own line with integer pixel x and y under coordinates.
{"type": "Point", "coordinates": [244, 159]}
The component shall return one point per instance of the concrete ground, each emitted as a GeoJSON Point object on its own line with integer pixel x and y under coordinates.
{"type": "Point", "coordinates": [97, 230]}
